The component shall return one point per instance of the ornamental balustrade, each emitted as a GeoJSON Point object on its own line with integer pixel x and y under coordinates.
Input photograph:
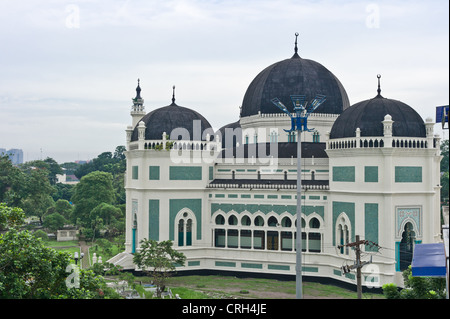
{"type": "Point", "coordinates": [379, 142]}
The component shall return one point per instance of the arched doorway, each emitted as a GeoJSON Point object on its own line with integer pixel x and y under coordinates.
{"type": "Point", "coordinates": [407, 246]}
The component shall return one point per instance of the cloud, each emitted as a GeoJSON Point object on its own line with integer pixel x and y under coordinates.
{"type": "Point", "coordinates": [73, 65]}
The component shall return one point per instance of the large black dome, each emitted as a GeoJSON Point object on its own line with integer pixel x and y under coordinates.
{"type": "Point", "coordinates": [294, 76]}
{"type": "Point", "coordinates": [368, 115]}
{"type": "Point", "coordinates": [168, 118]}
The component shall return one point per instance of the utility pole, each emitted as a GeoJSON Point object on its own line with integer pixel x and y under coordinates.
{"type": "Point", "coordinates": [358, 265]}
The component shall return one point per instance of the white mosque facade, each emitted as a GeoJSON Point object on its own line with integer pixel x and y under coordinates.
{"type": "Point", "coordinates": [227, 199]}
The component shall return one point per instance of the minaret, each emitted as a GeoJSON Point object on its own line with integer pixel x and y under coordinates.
{"type": "Point", "coordinates": [138, 109]}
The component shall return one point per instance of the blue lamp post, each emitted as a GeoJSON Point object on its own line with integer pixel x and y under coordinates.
{"type": "Point", "coordinates": [299, 123]}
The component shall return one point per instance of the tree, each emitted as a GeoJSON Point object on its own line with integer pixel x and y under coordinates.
{"type": "Point", "coordinates": [159, 258]}
{"type": "Point", "coordinates": [12, 182]}
{"type": "Point", "coordinates": [92, 190]}
{"type": "Point", "coordinates": [54, 221]}
{"type": "Point", "coordinates": [29, 269]}
{"type": "Point", "coordinates": [49, 164]}
{"type": "Point", "coordinates": [38, 193]}
{"type": "Point", "coordinates": [63, 207]}
{"type": "Point", "coordinates": [107, 217]}
{"type": "Point", "coordinates": [10, 217]}
{"type": "Point", "coordinates": [105, 162]}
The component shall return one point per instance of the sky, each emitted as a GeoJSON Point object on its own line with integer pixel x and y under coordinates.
{"type": "Point", "coordinates": [69, 69]}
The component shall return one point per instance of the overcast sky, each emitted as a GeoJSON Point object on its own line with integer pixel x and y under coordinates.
{"type": "Point", "coordinates": [68, 69]}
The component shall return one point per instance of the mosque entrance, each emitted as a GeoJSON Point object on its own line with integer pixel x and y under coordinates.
{"type": "Point", "coordinates": [407, 246]}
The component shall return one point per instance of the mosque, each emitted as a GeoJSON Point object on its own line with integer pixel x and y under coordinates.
{"type": "Point", "coordinates": [227, 198]}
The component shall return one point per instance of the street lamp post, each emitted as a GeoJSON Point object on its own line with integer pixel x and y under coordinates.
{"type": "Point", "coordinates": [299, 124]}
{"type": "Point", "coordinates": [75, 256]}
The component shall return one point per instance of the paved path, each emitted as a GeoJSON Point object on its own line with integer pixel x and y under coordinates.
{"type": "Point", "coordinates": [84, 247]}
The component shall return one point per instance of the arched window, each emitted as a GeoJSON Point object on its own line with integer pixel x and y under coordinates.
{"type": "Point", "coordinates": [314, 223]}
{"type": "Point", "coordinates": [272, 222]}
{"type": "Point", "coordinates": [259, 221]}
{"type": "Point", "coordinates": [185, 226]}
{"type": "Point", "coordinates": [246, 221]}
{"type": "Point", "coordinates": [314, 236]}
{"type": "Point", "coordinates": [220, 220]}
{"type": "Point", "coordinates": [286, 222]}
{"type": "Point", "coordinates": [181, 232]}
{"type": "Point", "coordinates": [232, 220]}
{"type": "Point", "coordinates": [343, 234]}
{"type": "Point", "coordinates": [189, 232]}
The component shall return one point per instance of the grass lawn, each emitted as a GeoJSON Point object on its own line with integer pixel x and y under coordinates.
{"type": "Point", "coordinates": [54, 243]}
{"type": "Point", "coordinates": [258, 288]}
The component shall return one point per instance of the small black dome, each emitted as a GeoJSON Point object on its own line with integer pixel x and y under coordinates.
{"type": "Point", "coordinates": [368, 115]}
{"type": "Point", "coordinates": [234, 136]}
{"type": "Point", "coordinates": [294, 76]}
{"type": "Point", "coordinates": [168, 118]}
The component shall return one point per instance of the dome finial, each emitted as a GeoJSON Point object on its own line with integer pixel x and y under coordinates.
{"type": "Point", "coordinates": [173, 94]}
{"type": "Point", "coordinates": [379, 88]}
{"type": "Point", "coordinates": [296, 48]}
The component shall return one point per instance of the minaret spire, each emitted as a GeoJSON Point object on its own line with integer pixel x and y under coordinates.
{"type": "Point", "coordinates": [138, 91]}
{"type": "Point", "coordinates": [137, 109]}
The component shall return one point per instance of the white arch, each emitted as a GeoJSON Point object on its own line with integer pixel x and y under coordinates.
{"type": "Point", "coordinates": [314, 215]}
{"type": "Point", "coordinates": [416, 227]}
{"type": "Point", "coordinates": [185, 214]}
{"type": "Point", "coordinates": [215, 214]}
{"type": "Point", "coordinates": [242, 215]}
{"type": "Point", "coordinates": [291, 218]}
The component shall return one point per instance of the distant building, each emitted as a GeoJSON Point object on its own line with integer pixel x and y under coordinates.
{"type": "Point", "coordinates": [16, 155]}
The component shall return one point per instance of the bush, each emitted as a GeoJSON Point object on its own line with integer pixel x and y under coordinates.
{"type": "Point", "coordinates": [390, 291]}
{"type": "Point", "coordinates": [41, 234]}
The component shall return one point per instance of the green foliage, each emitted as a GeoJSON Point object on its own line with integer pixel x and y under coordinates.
{"type": "Point", "coordinates": [29, 269]}
{"type": "Point", "coordinates": [38, 193]}
{"type": "Point", "coordinates": [159, 258]}
{"type": "Point", "coordinates": [11, 217]}
{"type": "Point", "coordinates": [92, 190]}
{"type": "Point", "coordinates": [105, 162]}
{"type": "Point", "coordinates": [12, 182]}
{"type": "Point", "coordinates": [64, 208]}
{"type": "Point", "coordinates": [49, 165]}
{"type": "Point", "coordinates": [63, 192]}
{"type": "Point", "coordinates": [416, 287]}
{"type": "Point", "coordinates": [41, 234]}
{"type": "Point", "coordinates": [391, 291]}
{"type": "Point", "coordinates": [54, 221]}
